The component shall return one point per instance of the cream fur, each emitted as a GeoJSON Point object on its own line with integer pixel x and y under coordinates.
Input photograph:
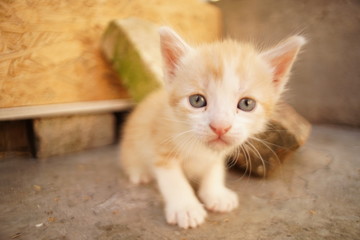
{"type": "Point", "coordinates": [167, 139]}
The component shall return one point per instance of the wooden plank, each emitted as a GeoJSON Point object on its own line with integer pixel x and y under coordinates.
{"type": "Point", "coordinates": [52, 110]}
{"type": "Point", "coordinates": [50, 50]}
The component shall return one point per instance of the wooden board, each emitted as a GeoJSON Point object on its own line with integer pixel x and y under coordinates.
{"type": "Point", "coordinates": [49, 50]}
{"type": "Point", "coordinates": [53, 110]}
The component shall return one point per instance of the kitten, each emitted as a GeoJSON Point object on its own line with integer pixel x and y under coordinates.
{"type": "Point", "coordinates": [215, 97]}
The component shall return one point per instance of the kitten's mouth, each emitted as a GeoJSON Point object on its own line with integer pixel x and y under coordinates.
{"type": "Point", "coordinates": [219, 142]}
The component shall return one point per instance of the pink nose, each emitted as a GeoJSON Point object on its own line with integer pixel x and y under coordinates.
{"type": "Point", "coordinates": [220, 130]}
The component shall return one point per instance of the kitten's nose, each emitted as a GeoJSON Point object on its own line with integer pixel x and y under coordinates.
{"type": "Point", "coordinates": [219, 129]}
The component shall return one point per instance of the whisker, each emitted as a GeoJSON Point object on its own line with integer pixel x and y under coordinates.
{"type": "Point", "coordinates": [249, 160]}
{"type": "Point", "coordinates": [175, 120]}
{"type": "Point", "coordinates": [269, 143]}
{"type": "Point", "coordinates": [181, 144]}
{"type": "Point", "coordinates": [240, 149]}
{"type": "Point", "coordinates": [232, 158]}
{"type": "Point", "coordinates": [259, 155]}
{"type": "Point", "coordinates": [172, 138]}
{"type": "Point", "coordinates": [266, 144]}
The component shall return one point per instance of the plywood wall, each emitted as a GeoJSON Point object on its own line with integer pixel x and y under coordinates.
{"type": "Point", "coordinates": [49, 50]}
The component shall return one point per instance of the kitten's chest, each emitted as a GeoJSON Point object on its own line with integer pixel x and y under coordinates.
{"type": "Point", "coordinates": [198, 163]}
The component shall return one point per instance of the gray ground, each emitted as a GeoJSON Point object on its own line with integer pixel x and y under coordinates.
{"type": "Point", "coordinates": [315, 195]}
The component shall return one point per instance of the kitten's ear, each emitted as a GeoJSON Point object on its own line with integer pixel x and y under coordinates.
{"type": "Point", "coordinates": [281, 58]}
{"type": "Point", "coordinates": [172, 49]}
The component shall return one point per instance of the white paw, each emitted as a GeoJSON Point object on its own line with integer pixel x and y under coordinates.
{"type": "Point", "coordinates": [140, 178]}
{"type": "Point", "coordinates": [221, 200]}
{"type": "Point", "coordinates": [185, 214]}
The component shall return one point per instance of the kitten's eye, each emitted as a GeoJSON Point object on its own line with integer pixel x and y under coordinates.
{"type": "Point", "coordinates": [197, 101]}
{"type": "Point", "coordinates": [246, 104]}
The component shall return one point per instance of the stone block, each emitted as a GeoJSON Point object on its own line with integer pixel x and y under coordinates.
{"type": "Point", "coordinates": [66, 134]}
{"type": "Point", "coordinates": [133, 47]}
{"type": "Point", "coordinates": [286, 132]}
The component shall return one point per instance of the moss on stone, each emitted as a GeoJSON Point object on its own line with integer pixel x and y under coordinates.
{"type": "Point", "coordinates": [127, 61]}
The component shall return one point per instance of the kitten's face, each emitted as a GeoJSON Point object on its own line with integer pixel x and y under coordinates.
{"type": "Point", "coordinates": [224, 93]}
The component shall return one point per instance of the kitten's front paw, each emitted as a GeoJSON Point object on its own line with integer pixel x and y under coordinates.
{"type": "Point", "coordinates": [221, 200]}
{"type": "Point", "coordinates": [137, 177]}
{"type": "Point", "coordinates": [186, 214]}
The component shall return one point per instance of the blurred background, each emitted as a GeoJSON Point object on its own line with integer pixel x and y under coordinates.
{"type": "Point", "coordinates": [325, 84]}
{"type": "Point", "coordinates": [50, 54]}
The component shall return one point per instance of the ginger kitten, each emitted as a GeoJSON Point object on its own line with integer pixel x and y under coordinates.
{"type": "Point", "coordinates": [215, 97]}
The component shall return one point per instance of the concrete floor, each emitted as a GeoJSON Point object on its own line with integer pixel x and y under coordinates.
{"type": "Point", "coordinates": [314, 195]}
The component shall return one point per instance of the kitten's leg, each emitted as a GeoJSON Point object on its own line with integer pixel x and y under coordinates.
{"type": "Point", "coordinates": [213, 192]}
{"type": "Point", "coordinates": [181, 205]}
{"type": "Point", "coordinates": [134, 164]}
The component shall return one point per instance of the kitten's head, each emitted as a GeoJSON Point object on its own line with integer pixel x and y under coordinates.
{"type": "Point", "coordinates": [224, 92]}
